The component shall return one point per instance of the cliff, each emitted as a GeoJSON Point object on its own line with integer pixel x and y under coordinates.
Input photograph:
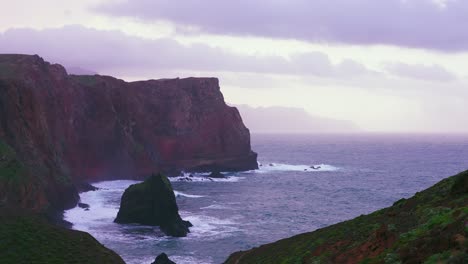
{"type": "Point", "coordinates": [430, 227]}
{"type": "Point", "coordinates": [58, 129]}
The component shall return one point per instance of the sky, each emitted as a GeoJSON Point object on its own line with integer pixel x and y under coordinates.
{"type": "Point", "coordinates": [387, 66]}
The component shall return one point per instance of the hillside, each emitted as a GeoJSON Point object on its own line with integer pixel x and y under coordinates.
{"type": "Point", "coordinates": [28, 238]}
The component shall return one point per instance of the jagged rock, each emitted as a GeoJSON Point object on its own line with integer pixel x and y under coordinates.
{"type": "Point", "coordinates": [83, 205]}
{"type": "Point", "coordinates": [216, 174]}
{"type": "Point", "coordinates": [163, 259]}
{"type": "Point", "coordinates": [86, 187]}
{"type": "Point", "coordinates": [153, 202]}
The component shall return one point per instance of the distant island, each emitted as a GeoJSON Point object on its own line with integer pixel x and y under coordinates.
{"type": "Point", "coordinates": [280, 119]}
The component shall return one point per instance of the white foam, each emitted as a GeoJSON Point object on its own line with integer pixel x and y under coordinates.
{"type": "Point", "coordinates": [103, 207]}
{"type": "Point", "coordinates": [104, 204]}
{"type": "Point", "coordinates": [203, 177]}
{"type": "Point", "coordinates": [208, 227]}
{"type": "Point", "coordinates": [214, 207]}
{"type": "Point", "coordinates": [178, 194]}
{"type": "Point", "coordinates": [268, 167]}
{"type": "Point", "coordinates": [189, 260]}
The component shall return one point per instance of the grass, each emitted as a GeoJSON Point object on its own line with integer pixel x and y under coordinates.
{"type": "Point", "coordinates": [10, 168]}
{"type": "Point", "coordinates": [87, 80]}
{"type": "Point", "coordinates": [30, 239]}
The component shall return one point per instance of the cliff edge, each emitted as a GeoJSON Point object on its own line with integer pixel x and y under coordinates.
{"type": "Point", "coordinates": [58, 129]}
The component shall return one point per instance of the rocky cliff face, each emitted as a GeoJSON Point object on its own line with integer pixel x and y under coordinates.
{"type": "Point", "coordinates": [65, 129]}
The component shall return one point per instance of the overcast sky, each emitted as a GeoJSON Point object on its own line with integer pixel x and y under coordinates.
{"type": "Point", "coordinates": [388, 66]}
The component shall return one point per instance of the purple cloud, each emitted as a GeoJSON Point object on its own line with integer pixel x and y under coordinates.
{"type": "Point", "coordinates": [421, 72]}
{"type": "Point", "coordinates": [427, 24]}
{"type": "Point", "coordinates": [113, 52]}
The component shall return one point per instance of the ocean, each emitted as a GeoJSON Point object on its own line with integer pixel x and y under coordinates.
{"type": "Point", "coordinates": [353, 175]}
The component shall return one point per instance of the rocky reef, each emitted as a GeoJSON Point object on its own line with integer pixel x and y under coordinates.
{"type": "Point", "coordinates": [430, 227]}
{"type": "Point", "coordinates": [58, 130]}
{"type": "Point", "coordinates": [28, 238]}
{"type": "Point", "coordinates": [153, 202]}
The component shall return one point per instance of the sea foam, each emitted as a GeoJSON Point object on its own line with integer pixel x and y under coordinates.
{"type": "Point", "coordinates": [268, 167]}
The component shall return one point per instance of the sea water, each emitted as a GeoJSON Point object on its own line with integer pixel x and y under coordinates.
{"type": "Point", "coordinates": [353, 175]}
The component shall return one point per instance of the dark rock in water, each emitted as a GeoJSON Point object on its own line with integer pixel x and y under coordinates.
{"type": "Point", "coordinates": [153, 202]}
{"type": "Point", "coordinates": [315, 167]}
{"type": "Point", "coordinates": [163, 259]}
{"type": "Point", "coordinates": [271, 165]}
{"type": "Point", "coordinates": [83, 205]}
{"type": "Point", "coordinates": [86, 187]}
{"type": "Point", "coordinates": [187, 179]}
{"type": "Point", "coordinates": [216, 174]}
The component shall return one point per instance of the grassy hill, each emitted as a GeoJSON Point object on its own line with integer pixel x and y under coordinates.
{"type": "Point", "coordinates": [29, 238]}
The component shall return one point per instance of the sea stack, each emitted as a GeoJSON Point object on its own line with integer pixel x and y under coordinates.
{"type": "Point", "coordinates": [153, 202]}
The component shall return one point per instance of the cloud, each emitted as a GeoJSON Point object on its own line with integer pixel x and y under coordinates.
{"type": "Point", "coordinates": [113, 52]}
{"type": "Point", "coordinates": [421, 72]}
{"type": "Point", "coordinates": [428, 24]}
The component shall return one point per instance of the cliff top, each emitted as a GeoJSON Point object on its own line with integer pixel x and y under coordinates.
{"type": "Point", "coordinates": [12, 64]}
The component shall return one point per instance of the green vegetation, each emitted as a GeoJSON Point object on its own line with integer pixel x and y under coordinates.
{"type": "Point", "coordinates": [87, 80]}
{"type": "Point", "coordinates": [6, 69]}
{"type": "Point", "coordinates": [430, 227]}
{"type": "Point", "coordinates": [30, 239]}
{"type": "Point", "coordinates": [10, 167]}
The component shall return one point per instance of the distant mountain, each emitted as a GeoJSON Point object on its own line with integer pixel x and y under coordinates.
{"type": "Point", "coordinates": [279, 119]}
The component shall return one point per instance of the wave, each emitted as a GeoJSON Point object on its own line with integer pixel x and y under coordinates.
{"type": "Point", "coordinates": [208, 227]}
{"type": "Point", "coordinates": [267, 167]}
{"type": "Point", "coordinates": [178, 194]}
{"type": "Point", "coordinates": [203, 177]}
{"type": "Point", "coordinates": [215, 207]}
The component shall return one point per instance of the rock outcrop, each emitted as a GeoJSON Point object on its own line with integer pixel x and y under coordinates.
{"type": "Point", "coordinates": [430, 227]}
{"type": "Point", "coordinates": [153, 202]}
{"type": "Point", "coordinates": [163, 259]}
{"type": "Point", "coordinates": [62, 129]}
